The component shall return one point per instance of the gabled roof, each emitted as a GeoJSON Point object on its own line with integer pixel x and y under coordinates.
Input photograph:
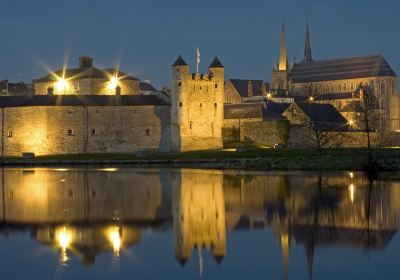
{"type": "Point", "coordinates": [145, 86]}
{"type": "Point", "coordinates": [80, 100]}
{"type": "Point", "coordinates": [216, 63]}
{"type": "Point", "coordinates": [252, 111]}
{"type": "Point", "coordinates": [322, 112]}
{"type": "Point", "coordinates": [278, 108]}
{"type": "Point", "coordinates": [179, 62]}
{"type": "Point", "coordinates": [241, 86]}
{"type": "Point", "coordinates": [341, 69]}
{"type": "Point", "coordinates": [86, 73]}
{"type": "Point", "coordinates": [243, 111]}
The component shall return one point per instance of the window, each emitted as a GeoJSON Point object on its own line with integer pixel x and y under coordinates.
{"type": "Point", "coordinates": [216, 85]}
{"type": "Point", "coordinates": [190, 125]}
{"type": "Point", "coordinates": [9, 133]}
{"type": "Point", "coordinates": [71, 111]}
{"type": "Point", "coordinates": [180, 104]}
{"type": "Point", "coordinates": [201, 88]}
{"type": "Point", "coordinates": [212, 128]}
{"type": "Point", "coordinates": [201, 105]}
{"type": "Point", "coordinates": [93, 132]}
{"type": "Point", "coordinates": [70, 132]}
{"type": "Point", "coordinates": [135, 111]}
{"type": "Point", "coordinates": [71, 193]}
{"type": "Point", "coordinates": [147, 132]}
{"type": "Point", "coordinates": [76, 86]}
{"type": "Point", "coordinates": [98, 111]}
{"type": "Point", "coordinates": [179, 83]}
{"type": "Point", "coordinates": [215, 105]}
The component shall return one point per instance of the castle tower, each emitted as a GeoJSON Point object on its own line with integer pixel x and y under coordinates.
{"type": "Point", "coordinates": [307, 45]}
{"type": "Point", "coordinates": [280, 75]}
{"type": "Point", "coordinates": [197, 110]}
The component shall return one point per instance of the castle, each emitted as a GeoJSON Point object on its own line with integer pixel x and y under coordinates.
{"type": "Point", "coordinates": [91, 110]}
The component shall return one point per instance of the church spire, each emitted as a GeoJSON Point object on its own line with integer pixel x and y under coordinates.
{"type": "Point", "coordinates": [283, 62]}
{"type": "Point", "coordinates": [307, 46]}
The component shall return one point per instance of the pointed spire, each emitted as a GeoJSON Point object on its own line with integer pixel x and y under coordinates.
{"type": "Point", "coordinates": [216, 63]}
{"type": "Point", "coordinates": [307, 46]}
{"type": "Point", "coordinates": [179, 62]}
{"type": "Point", "coordinates": [283, 62]}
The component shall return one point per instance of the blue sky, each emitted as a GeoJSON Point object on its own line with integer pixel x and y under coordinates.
{"type": "Point", "coordinates": [145, 37]}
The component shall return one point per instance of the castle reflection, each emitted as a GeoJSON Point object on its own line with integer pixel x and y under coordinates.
{"type": "Point", "coordinates": [85, 212]}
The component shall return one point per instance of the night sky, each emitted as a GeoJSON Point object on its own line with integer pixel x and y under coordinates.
{"type": "Point", "coordinates": [145, 37]}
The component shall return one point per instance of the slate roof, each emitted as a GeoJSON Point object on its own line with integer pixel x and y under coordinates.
{"type": "Point", "coordinates": [180, 62]}
{"type": "Point", "coordinates": [145, 86]}
{"type": "Point", "coordinates": [86, 73]}
{"type": "Point", "coordinates": [80, 100]}
{"type": "Point", "coordinates": [252, 111]}
{"type": "Point", "coordinates": [243, 111]}
{"type": "Point", "coordinates": [241, 87]}
{"type": "Point", "coordinates": [216, 63]}
{"type": "Point", "coordinates": [16, 88]}
{"type": "Point", "coordinates": [340, 69]}
{"type": "Point", "coordinates": [322, 112]}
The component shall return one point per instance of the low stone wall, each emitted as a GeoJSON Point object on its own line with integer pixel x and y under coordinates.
{"type": "Point", "coordinates": [300, 137]}
{"type": "Point", "coordinates": [267, 133]}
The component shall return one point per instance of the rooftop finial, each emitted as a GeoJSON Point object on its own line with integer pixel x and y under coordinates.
{"type": "Point", "coordinates": [307, 46]}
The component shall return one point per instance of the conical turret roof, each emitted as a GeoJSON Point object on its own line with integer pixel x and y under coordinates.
{"type": "Point", "coordinates": [216, 63]}
{"type": "Point", "coordinates": [180, 62]}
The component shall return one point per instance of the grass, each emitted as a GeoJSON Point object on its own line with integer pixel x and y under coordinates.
{"type": "Point", "coordinates": [252, 157]}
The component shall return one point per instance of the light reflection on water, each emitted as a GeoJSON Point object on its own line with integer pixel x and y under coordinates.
{"type": "Point", "coordinates": [84, 214]}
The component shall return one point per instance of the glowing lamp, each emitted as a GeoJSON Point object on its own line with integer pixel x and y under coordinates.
{"type": "Point", "coordinates": [64, 238]}
{"type": "Point", "coordinates": [113, 83]}
{"type": "Point", "coordinates": [351, 122]}
{"type": "Point", "coordinates": [269, 95]}
{"type": "Point", "coordinates": [61, 85]}
{"type": "Point", "coordinates": [311, 98]}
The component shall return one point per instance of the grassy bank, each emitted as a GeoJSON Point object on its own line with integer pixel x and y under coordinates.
{"type": "Point", "coordinates": [253, 158]}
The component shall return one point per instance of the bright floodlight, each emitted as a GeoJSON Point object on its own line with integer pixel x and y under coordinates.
{"type": "Point", "coordinates": [113, 83]}
{"type": "Point", "coordinates": [62, 84]}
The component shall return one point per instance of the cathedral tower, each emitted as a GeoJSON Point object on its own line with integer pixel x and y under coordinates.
{"type": "Point", "coordinates": [280, 74]}
{"type": "Point", "coordinates": [197, 107]}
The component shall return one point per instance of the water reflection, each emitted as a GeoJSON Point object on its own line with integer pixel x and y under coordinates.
{"type": "Point", "coordinates": [85, 212]}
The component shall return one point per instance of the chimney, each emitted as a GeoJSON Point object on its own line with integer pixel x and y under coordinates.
{"type": "Point", "coordinates": [4, 88]}
{"type": "Point", "coordinates": [250, 89]}
{"type": "Point", "coordinates": [85, 62]}
{"type": "Point", "coordinates": [50, 91]}
{"type": "Point", "coordinates": [117, 95]}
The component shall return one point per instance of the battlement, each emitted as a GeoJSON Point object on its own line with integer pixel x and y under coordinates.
{"type": "Point", "coordinates": [203, 76]}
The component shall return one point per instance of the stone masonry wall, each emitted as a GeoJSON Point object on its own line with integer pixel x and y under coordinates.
{"type": "Point", "coordinates": [70, 130]}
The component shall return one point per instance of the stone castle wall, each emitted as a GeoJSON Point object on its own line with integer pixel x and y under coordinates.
{"type": "Point", "coordinates": [71, 130]}
{"type": "Point", "coordinates": [88, 86]}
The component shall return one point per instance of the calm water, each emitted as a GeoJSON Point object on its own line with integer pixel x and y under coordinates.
{"type": "Point", "coordinates": [190, 224]}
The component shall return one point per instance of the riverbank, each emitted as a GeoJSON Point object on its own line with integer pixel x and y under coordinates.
{"type": "Point", "coordinates": [255, 159]}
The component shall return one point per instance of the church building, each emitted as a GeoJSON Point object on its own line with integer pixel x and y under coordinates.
{"type": "Point", "coordinates": [328, 79]}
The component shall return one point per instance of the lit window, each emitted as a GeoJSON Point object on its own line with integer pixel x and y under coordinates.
{"type": "Point", "coordinates": [147, 132]}
{"type": "Point", "coordinates": [93, 132]}
{"type": "Point", "coordinates": [70, 132]}
{"type": "Point", "coordinates": [9, 133]}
